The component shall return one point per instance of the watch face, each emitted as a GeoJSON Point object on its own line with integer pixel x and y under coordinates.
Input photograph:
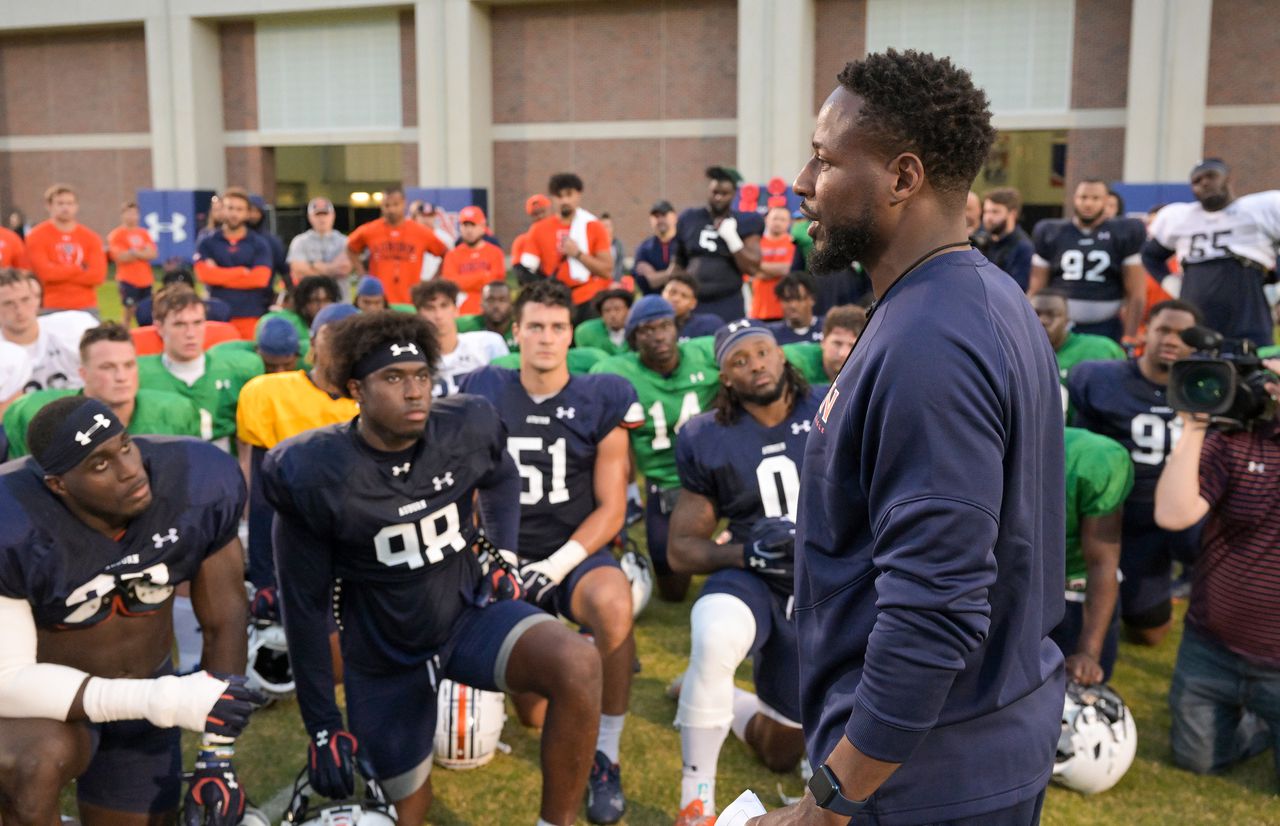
{"type": "Point", "coordinates": [822, 787]}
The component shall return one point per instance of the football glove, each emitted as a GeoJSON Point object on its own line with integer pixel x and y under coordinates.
{"type": "Point", "coordinates": [265, 604]}
{"type": "Point", "coordinates": [230, 712]}
{"type": "Point", "coordinates": [770, 553]}
{"type": "Point", "coordinates": [215, 796]}
{"type": "Point", "coordinates": [331, 763]}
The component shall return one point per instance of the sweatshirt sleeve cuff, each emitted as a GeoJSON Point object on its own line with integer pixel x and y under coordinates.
{"type": "Point", "coordinates": [879, 740]}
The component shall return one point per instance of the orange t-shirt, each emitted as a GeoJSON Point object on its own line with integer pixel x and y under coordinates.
{"type": "Point", "coordinates": [471, 268]}
{"type": "Point", "coordinates": [13, 253]}
{"type": "Point", "coordinates": [136, 273]}
{"type": "Point", "coordinates": [519, 247]}
{"type": "Point", "coordinates": [764, 302]}
{"type": "Point", "coordinates": [544, 242]}
{"type": "Point", "coordinates": [395, 254]}
{"type": "Point", "coordinates": [69, 264]}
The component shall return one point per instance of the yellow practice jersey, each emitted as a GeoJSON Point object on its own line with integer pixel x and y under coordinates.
{"type": "Point", "coordinates": [276, 406]}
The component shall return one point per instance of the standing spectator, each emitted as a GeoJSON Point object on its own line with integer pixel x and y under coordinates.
{"type": "Point", "coordinates": [13, 250]}
{"type": "Point", "coordinates": [652, 265]}
{"type": "Point", "coordinates": [474, 262]}
{"type": "Point", "coordinates": [796, 297]}
{"type": "Point", "coordinates": [51, 341]}
{"type": "Point", "coordinates": [535, 206]}
{"type": "Point", "coordinates": [257, 222]}
{"type": "Point", "coordinates": [496, 313]}
{"type": "Point", "coordinates": [133, 250]}
{"type": "Point", "coordinates": [717, 245]}
{"type": "Point", "coordinates": [17, 223]}
{"type": "Point", "coordinates": [1114, 206]}
{"type": "Point", "coordinates": [460, 353]}
{"type": "Point", "coordinates": [213, 223]}
{"type": "Point", "coordinates": [1128, 401]}
{"type": "Point", "coordinates": [778, 257]}
{"type": "Point", "coordinates": [395, 246]}
{"type": "Point", "coordinates": [67, 257]}
{"type": "Point", "coordinates": [615, 247]}
{"type": "Point", "coordinates": [571, 246]}
{"type": "Point", "coordinates": [972, 214]}
{"type": "Point", "coordinates": [1096, 262]}
{"type": "Point", "coordinates": [1227, 247]}
{"type": "Point", "coordinates": [681, 292]}
{"type": "Point", "coordinates": [1010, 247]}
{"type": "Point", "coordinates": [433, 218]}
{"type": "Point", "coordinates": [235, 264]}
{"type": "Point", "coordinates": [607, 333]}
{"type": "Point", "coordinates": [1229, 661]}
{"type": "Point", "coordinates": [321, 250]}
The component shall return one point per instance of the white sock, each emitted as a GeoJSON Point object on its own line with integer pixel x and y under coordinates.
{"type": "Point", "coordinates": [186, 629]}
{"type": "Point", "coordinates": [633, 492]}
{"type": "Point", "coordinates": [700, 748]}
{"type": "Point", "coordinates": [610, 735]}
{"type": "Point", "coordinates": [745, 706]}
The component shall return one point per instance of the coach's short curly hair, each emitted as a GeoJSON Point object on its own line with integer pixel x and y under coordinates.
{"type": "Point", "coordinates": [916, 102]}
{"type": "Point", "coordinates": [355, 337]}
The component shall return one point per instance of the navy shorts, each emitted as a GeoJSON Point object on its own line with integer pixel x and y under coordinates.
{"type": "Point", "coordinates": [658, 505]}
{"type": "Point", "coordinates": [131, 295]}
{"type": "Point", "coordinates": [1147, 553]}
{"type": "Point", "coordinates": [393, 713]}
{"type": "Point", "coordinates": [1067, 636]}
{"type": "Point", "coordinates": [775, 655]}
{"type": "Point", "coordinates": [563, 596]}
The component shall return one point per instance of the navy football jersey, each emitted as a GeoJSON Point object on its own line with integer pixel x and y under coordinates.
{"type": "Point", "coordinates": [74, 576]}
{"type": "Point", "coordinates": [1088, 265]}
{"type": "Point", "coordinates": [1114, 399]}
{"type": "Point", "coordinates": [701, 251]}
{"type": "Point", "coordinates": [553, 444]}
{"type": "Point", "coordinates": [748, 471]}
{"type": "Point", "coordinates": [786, 334]}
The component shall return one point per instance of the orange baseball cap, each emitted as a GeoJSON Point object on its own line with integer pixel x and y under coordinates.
{"type": "Point", "coordinates": [471, 215]}
{"type": "Point", "coordinates": [536, 202]}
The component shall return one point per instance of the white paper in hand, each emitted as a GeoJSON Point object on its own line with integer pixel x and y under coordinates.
{"type": "Point", "coordinates": [741, 810]}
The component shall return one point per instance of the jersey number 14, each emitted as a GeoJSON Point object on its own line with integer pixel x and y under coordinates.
{"type": "Point", "coordinates": [689, 408]}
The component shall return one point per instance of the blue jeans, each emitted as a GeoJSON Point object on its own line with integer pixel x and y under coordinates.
{"type": "Point", "coordinates": [1225, 709]}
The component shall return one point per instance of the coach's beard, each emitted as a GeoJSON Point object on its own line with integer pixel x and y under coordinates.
{"type": "Point", "coordinates": [836, 248]}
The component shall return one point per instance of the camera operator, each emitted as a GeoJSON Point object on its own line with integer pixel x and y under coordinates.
{"type": "Point", "coordinates": [1229, 661]}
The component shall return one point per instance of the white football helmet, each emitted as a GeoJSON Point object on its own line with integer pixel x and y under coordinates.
{"type": "Point", "coordinates": [372, 809]}
{"type": "Point", "coordinates": [268, 669]}
{"type": "Point", "coordinates": [468, 725]}
{"type": "Point", "coordinates": [1098, 740]}
{"type": "Point", "coordinates": [639, 573]}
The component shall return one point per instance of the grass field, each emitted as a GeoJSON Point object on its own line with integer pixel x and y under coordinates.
{"type": "Point", "coordinates": [1153, 792]}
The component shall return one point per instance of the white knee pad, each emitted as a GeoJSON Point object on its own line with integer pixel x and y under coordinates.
{"type": "Point", "coordinates": [722, 630]}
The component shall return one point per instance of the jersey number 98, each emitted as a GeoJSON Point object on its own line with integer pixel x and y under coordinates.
{"type": "Point", "coordinates": [422, 543]}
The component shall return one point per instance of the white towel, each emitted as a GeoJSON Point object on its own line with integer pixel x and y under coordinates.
{"type": "Point", "coordinates": [578, 271]}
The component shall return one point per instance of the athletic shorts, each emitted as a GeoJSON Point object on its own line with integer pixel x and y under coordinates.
{"type": "Point", "coordinates": [136, 767]}
{"type": "Point", "coordinates": [775, 657]}
{"type": "Point", "coordinates": [131, 295]}
{"type": "Point", "coordinates": [562, 597]}
{"type": "Point", "coordinates": [1147, 553]}
{"type": "Point", "coordinates": [658, 505]}
{"type": "Point", "coordinates": [392, 713]}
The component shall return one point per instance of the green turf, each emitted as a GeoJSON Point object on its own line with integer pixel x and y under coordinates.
{"type": "Point", "coordinates": [271, 752]}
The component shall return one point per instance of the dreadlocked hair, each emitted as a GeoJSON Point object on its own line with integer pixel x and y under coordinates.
{"type": "Point", "coordinates": [728, 406]}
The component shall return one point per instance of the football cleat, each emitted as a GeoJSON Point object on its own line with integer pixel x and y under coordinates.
{"type": "Point", "coordinates": [605, 801]}
{"type": "Point", "coordinates": [693, 815]}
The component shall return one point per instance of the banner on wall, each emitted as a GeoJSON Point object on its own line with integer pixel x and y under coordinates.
{"type": "Point", "coordinates": [174, 217]}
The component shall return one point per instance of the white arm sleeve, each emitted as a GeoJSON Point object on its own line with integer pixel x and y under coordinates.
{"type": "Point", "coordinates": [29, 688]}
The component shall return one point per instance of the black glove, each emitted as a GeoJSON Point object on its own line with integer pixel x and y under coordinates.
{"type": "Point", "coordinates": [230, 714]}
{"type": "Point", "coordinates": [265, 604]}
{"type": "Point", "coordinates": [331, 763]}
{"type": "Point", "coordinates": [215, 796]}
{"type": "Point", "coordinates": [770, 553]}
{"type": "Point", "coordinates": [537, 588]}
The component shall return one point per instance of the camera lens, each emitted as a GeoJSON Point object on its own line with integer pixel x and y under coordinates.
{"type": "Point", "coordinates": [1205, 387]}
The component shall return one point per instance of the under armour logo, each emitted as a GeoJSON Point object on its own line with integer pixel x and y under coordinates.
{"type": "Point", "coordinates": [175, 226]}
{"type": "Point", "coordinates": [757, 562]}
{"type": "Point", "coordinates": [735, 326]}
{"type": "Point", "coordinates": [397, 350]}
{"type": "Point", "coordinates": [100, 421]}
{"type": "Point", "coordinates": [222, 384]}
{"type": "Point", "coordinates": [1257, 467]}
{"type": "Point", "coordinates": [697, 377]}
{"type": "Point", "coordinates": [171, 536]}
{"type": "Point", "coordinates": [322, 738]}
{"type": "Point", "coordinates": [799, 427]}
{"type": "Point", "coordinates": [564, 412]}
{"type": "Point", "coordinates": [442, 482]}
{"type": "Point", "coordinates": [396, 470]}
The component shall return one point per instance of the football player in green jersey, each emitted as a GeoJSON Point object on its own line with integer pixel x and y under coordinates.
{"type": "Point", "coordinates": [608, 332]}
{"type": "Point", "coordinates": [820, 362]}
{"type": "Point", "coordinates": [211, 381]}
{"type": "Point", "coordinates": [674, 382]}
{"type": "Point", "coordinates": [1099, 478]}
{"type": "Point", "coordinates": [109, 367]}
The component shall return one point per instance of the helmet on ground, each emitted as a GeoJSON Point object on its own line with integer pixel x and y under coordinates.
{"type": "Point", "coordinates": [1098, 740]}
{"type": "Point", "coordinates": [468, 725]}
{"type": "Point", "coordinates": [639, 573]}
{"type": "Point", "coordinates": [268, 667]}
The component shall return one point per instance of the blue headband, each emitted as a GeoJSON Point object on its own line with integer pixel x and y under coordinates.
{"type": "Point", "coordinates": [1210, 163]}
{"type": "Point", "coordinates": [82, 432]}
{"type": "Point", "coordinates": [395, 352]}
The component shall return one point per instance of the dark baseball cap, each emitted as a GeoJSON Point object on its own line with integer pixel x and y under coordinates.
{"type": "Point", "coordinates": [661, 208]}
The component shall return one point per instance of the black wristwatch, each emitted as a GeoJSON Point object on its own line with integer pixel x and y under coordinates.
{"type": "Point", "coordinates": [826, 790]}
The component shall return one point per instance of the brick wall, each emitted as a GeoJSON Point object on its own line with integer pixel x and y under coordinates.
{"type": "Point", "coordinates": [1251, 151]}
{"type": "Point", "coordinates": [102, 178]}
{"type": "Point", "coordinates": [408, 72]}
{"type": "Point", "coordinates": [1100, 54]}
{"type": "Point", "coordinates": [1244, 47]}
{"type": "Point", "coordinates": [1093, 153]}
{"type": "Point", "coordinates": [239, 76]}
{"type": "Point", "coordinates": [840, 36]}
{"type": "Point", "coordinates": [254, 168]}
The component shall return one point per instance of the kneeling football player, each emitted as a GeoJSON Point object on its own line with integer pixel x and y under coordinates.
{"type": "Point", "coordinates": [96, 530]}
{"type": "Point", "coordinates": [741, 461]}
{"type": "Point", "coordinates": [566, 435]}
{"type": "Point", "coordinates": [374, 521]}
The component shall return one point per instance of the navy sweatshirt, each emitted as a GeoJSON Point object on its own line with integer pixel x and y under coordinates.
{"type": "Point", "coordinates": [929, 548]}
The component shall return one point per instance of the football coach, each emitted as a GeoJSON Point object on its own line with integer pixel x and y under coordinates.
{"type": "Point", "coordinates": [929, 538]}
